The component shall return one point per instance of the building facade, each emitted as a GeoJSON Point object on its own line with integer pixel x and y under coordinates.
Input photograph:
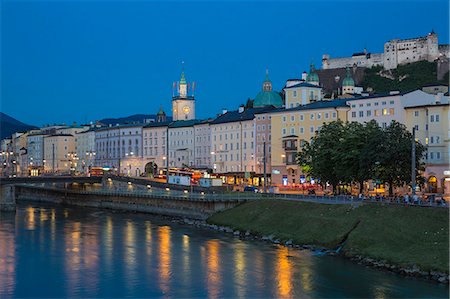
{"type": "Point", "coordinates": [290, 128]}
{"type": "Point", "coordinates": [183, 104]}
{"type": "Point", "coordinates": [155, 147]}
{"type": "Point", "coordinates": [58, 153]}
{"type": "Point", "coordinates": [181, 144]}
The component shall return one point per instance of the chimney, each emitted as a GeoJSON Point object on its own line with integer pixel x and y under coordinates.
{"type": "Point", "coordinates": [224, 111]}
{"type": "Point", "coordinates": [241, 108]}
{"type": "Point", "coordinates": [304, 75]}
{"type": "Point", "coordinates": [438, 97]}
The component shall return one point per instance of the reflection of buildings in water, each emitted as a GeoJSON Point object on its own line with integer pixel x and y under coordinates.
{"type": "Point", "coordinates": [213, 276]}
{"type": "Point", "coordinates": [130, 254]}
{"type": "Point", "coordinates": [186, 261]}
{"type": "Point", "coordinates": [43, 216]}
{"type": "Point", "coordinates": [284, 273]}
{"type": "Point", "coordinates": [108, 243]}
{"type": "Point", "coordinates": [7, 260]}
{"type": "Point", "coordinates": [53, 227]}
{"type": "Point", "coordinates": [164, 258]}
{"type": "Point", "coordinates": [240, 275]}
{"type": "Point", "coordinates": [72, 260]}
{"type": "Point", "coordinates": [306, 273]}
{"type": "Point", "coordinates": [30, 218]}
{"type": "Point", "coordinates": [148, 239]}
{"type": "Point", "coordinates": [259, 267]}
{"type": "Point", "coordinates": [90, 258]}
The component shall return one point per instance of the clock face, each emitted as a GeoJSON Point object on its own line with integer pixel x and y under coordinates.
{"type": "Point", "coordinates": [186, 109]}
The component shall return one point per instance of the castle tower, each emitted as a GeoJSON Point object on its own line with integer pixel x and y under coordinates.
{"type": "Point", "coordinates": [312, 77]}
{"type": "Point", "coordinates": [183, 104]}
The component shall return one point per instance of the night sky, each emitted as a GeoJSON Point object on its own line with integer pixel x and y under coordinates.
{"type": "Point", "coordinates": [83, 61]}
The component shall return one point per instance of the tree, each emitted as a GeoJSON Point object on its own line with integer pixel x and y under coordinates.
{"type": "Point", "coordinates": [394, 156]}
{"type": "Point", "coordinates": [319, 157]}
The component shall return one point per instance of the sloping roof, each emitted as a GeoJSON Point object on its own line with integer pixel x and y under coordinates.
{"type": "Point", "coordinates": [184, 123]}
{"type": "Point", "coordinates": [328, 82]}
{"type": "Point", "coordinates": [120, 127]}
{"type": "Point", "coordinates": [379, 95]}
{"type": "Point", "coordinates": [158, 124]}
{"type": "Point", "coordinates": [317, 105]}
{"type": "Point", "coordinates": [303, 84]}
{"type": "Point", "coordinates": [247, 114]}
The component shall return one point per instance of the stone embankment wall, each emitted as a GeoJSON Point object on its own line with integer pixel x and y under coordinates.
{"type": "Point", "coordinates": [7, 198]}
{"type": "Point", "coordinates": [156, 204]}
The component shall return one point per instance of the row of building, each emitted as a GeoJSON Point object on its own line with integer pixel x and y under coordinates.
{"type": "Point", "coordinates": [239, 145]}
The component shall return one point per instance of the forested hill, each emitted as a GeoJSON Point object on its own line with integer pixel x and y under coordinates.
{"type": "Point", "coordinates": [404, 78]}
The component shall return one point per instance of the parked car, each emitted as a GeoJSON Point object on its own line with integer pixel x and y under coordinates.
{"type": "Point", "coordinates": [250, 189]}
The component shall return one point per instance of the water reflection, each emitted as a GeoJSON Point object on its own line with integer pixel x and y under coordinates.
{"type": "Point", "coordinates": [7, 259]}
{"type": "Point", "coordinates": [30, 219]}
{"type": "Point", "coordinates": [105, 254]}
{"type": "Point", "coordinates": [240, 275]}
{"type": "Point", "coordinates": [284, 273]}
{"type": "Point", "coordinates": [164, 258]}
{"type": "Point", "coordinates": [213, 275]}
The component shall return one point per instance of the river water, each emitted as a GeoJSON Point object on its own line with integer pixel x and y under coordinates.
{"type": "Point", "coordinates": [56, 251]}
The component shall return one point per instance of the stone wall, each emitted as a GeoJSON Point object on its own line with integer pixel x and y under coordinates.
{"type": "Point", "coordinates": [7, 198]}
{"type": "Point", "coordinates": [155, 204]}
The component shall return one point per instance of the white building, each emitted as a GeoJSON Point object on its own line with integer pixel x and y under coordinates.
{"type": "Point", "coordinates": [385, 108]}
{"type": "Point", "coordinates": [120, 147]}
{"type": "Point", "coordinates": [35, 149]}
{"type": "Point", "coordinates": [202, 145]}
{"type": "Point", "coordinates": [155, 147]}
{"type": "Point", "coordinates": [396, 52]}
{"type": "Point", "coordinates": [85, 149]}
{"type": "Point", "coordinates": [181, 143]}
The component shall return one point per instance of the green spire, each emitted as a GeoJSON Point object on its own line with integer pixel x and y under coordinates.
{"type": "Point", "coordinates": [312, 76]}
{"type": "Point", "coordinates": [267, 75]}
{"type": "Point", "coordinates": [183, 78]}
{"type": "Point", "coordinates": [348, 81]}
{"type": "Point", "coordinates": [161, 111]}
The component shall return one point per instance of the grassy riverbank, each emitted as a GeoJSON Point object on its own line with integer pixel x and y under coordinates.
{"type": "Point", "coordinates": [400, 235]}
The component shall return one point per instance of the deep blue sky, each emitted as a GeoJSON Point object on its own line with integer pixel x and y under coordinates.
{"type": "Point", "coordinates": [83, 61]}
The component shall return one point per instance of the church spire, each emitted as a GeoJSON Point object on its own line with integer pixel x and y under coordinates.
{"type": "Point", "coordinates": [267, 84]}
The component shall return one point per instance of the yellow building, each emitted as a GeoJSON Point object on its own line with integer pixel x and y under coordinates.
{"type": "Point", "coordinates": [431, 122]}
{"type": "Point", "coordinates": [59, 153]}
{"type": "Point", "coordinates": [291, 127]}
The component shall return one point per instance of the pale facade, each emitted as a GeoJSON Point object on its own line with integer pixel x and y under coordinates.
{"type": "Point", "coordinates": [120, 147]}
{"type": "Point", "coordinates": [85, 143]}
{"type": "Point", "coordinates": [35, 149]}
{"type": "Point", "coordinates": [263, 127]}
{"type": "Point", "coordinates": [181, 144]}
{"type": "Point", "coordinates": [203, 144]}
{"type": "Point", "coordinates": [385, 108]}
{"type": "Point", "coordinates": [432, 129]}
{"type": "Point", "coordinates": [302, 94]}
{"type": "Point", "coordinates": [290, 128]}
{"type": "Point", "coordinates": [58, 149]}
{"type": "Point", "coordinates": [155, 147]}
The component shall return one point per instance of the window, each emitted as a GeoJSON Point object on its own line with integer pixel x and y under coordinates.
{"type": "Point", "coordinates": [283, 132]}
{"type": "Point", "coordinates": [368, 113]}
{"type": "Point", "coordinates": [368, 104]}
{"type": "Point", "coordinates": [311, 116]}
{"type": "Point", "coordinates": [391, 111]}
{"type": "Point", "coordinates": [437, 117]}
{"type": "Point", "coordinates": [376, 103]}
{"type": "Point", "coordinates": [319, 116]}
{"type": "Point", "coordinates": [383, 103]}
{"type": "Point", "coordinates": [295, 93]}
{"type": "Point", "coordinates": [416, 113]}
{"type": "Point", "coordinates": [353, 105]}
{"type": "Point", "coordinates": [353, 114]}
{"type": "Point", "coordinates": [361, 113]}
{"type": "Point", "coordinates": [327, 115]}
{"type": "Point", "coordinates": [292, 131]}
{"type": "Point", "coordinates": [416, 127]}
{"type": "Point", "coordinates": [301, 117]}
{"type": "Point", "coordinates": [384, 111]}
{"type": "Point", "coordinates": [437, 139]}
{"type": "Point", "coordinates": [432, 118]}
{"type": "Point", "coordinates": [292, 117]}
{"type": "Point", "coordinates": [284, 119]}
{"type": "Point", "coordinates": [311, 129]}
{"type": "Point", "coordinates": [438, 155]}
{"type": "Point", "coordinates": [431, 139]}
{"type": "Point", "coordinates": [334, 114]}
{"type": "Point", "coordinates": [431, 155]}
{"type": "Point", "coordinates": [301, 130]}
{"type": "Point", "coordinates": [375, 112]}
{"type": "Point", "coordinates": [361, 105]}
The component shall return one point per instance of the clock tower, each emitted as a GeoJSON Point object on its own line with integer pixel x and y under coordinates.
{"type": "Point", "coordinates": [183, 104]}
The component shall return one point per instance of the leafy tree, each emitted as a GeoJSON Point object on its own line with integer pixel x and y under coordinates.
{"type": "Point", "coordinates": [319, 157]}
{"type": "Point", "coordinates": [394, 156]}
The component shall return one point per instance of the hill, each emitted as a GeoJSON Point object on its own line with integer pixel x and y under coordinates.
{"type": "Point", "coordinates": [10, 125]}
{"type": "Point", "coordinates": [404, 78]}
{"type": "Point", "coordinates": [136, 118]}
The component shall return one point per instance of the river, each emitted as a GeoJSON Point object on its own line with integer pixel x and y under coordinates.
{"type": "Point", "coordinates": [58, 251]}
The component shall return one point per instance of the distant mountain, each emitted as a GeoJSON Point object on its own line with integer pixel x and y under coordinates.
{"type": "Point", "coordinates": [136, 118]}
{"type": "Point", "coordinates": [9, 126]}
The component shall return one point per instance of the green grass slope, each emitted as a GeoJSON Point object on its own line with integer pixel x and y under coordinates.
{"type": "Point", "coordinates": [400, 235]}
